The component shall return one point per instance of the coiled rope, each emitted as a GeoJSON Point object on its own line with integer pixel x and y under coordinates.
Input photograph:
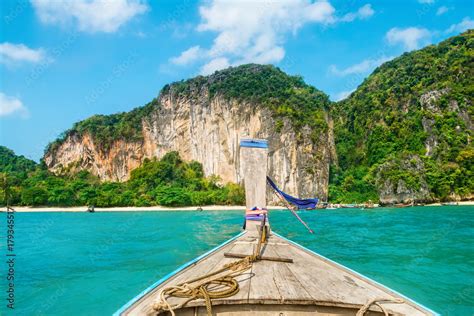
{"type": "Point", "coordinates": [199, 288]}
{"type": "Point", "coordinates": [378, 301]}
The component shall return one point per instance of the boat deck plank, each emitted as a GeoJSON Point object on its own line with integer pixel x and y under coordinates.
{"type": "Point", "coordinates": [326, 282]}
{"type": "Point", "coordinates": [245, 278]}
{"type": "Point", "coordinates": [273, 281]}
{"type": "Point", "coordinates": [309, 280]}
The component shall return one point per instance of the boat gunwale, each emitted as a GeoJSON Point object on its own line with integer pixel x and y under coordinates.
{"type": "Point", "coordinates": [172, 274]}
{"type": "Point", "coordinates": [385, 288]}
{"type": "Point", "coordinates": [266, 301]}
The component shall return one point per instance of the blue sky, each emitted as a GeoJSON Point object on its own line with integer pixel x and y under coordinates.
{"type": "Point", "coordinates": [63, 61]}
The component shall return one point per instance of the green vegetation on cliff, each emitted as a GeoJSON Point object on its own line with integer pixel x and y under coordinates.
{"type": "Point", "coordinates": [105, 129]}
{"type": "Point", "coordinates": [169, 182]}
{"type": "Point", "coordinates": [286, 96]}
{"type": "Point", "coordinates": [417, 105]}
{"type": "Point", "coordinates": [9, 162]}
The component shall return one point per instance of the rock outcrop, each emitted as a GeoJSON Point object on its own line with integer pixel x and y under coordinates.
{"type": "Point", "coordinates": [405, 134]}
{"type": "Point", "coordinates": [208, 129]}
{"type": "Point", "coordinates": [403, 180]}
{"type": "Point", "coordinates": [80, 152]}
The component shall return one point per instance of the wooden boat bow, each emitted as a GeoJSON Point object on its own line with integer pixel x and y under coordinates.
{"type": "Point", "coordinates": [310, 285]}
{"type": "Point", "coordinates": [282, 277]}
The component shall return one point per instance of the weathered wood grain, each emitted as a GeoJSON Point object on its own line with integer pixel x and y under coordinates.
{"type": "Point", "coordinates": [310, 283]}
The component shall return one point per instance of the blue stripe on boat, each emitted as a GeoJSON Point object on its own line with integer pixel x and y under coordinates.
{"type": "Point", "coordinates": [254, 143]}
{"type": "Point", "coordinates": [357, 273]}
{"type": "Point", "coordinates": [169, 275]}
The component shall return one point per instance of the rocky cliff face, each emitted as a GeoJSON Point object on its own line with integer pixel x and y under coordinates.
{"type": "Point", "coordinates": [208, 130]}
{"type": "Point", "coordinates": [430, 104]}
{"type": "Point", "coordinates": [405, 134]}
{"type": "Point", "coordinates": [403, 180]}
{"type": "Point", "coordinates": [80, 152]}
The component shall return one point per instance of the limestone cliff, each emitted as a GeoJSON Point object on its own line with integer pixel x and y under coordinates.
{"type": "Point", "coordinates": [205, 124]}
{"type": "Point", "coordinates": [80, 152]}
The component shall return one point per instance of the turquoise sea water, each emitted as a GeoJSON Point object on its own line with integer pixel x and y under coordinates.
{"type": "Point", "coordinates": [91, 264]}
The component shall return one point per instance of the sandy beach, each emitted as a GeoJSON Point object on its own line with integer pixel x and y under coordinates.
{"type": "Point", "coordinates": [136, 208]}
{"type": "Point", "coordinates": [459, 203]}
{"type": "Point", "coordinates": [162, 208]}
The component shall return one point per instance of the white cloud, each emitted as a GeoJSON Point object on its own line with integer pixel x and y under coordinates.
{"type": "Point", "coordinates": [426, 1]}
{"type": "Point", "coordinates": [90, 15]}
{"type": "Point", "coordinates": [342, 95]}
{"type": "Point", "coordinates": [256, 31]}
{"type": "Point", "coordinates": [462, 26]}
{"type": "Point", "coordinates": [276, 53]}
{"type": "Point", "coordinates": [188, 56]}
{"type": "Point", "coordinates": [10, 105]}
{"type": "Point", "coordinates": [249, 31]}
{"type": "Point", "coordinates": [215, 64]}
{"type": "Point", "coordinates": [442, 10]}
{"type": "Point", "coordinates": [364, 12]}
{"type": "Point", "coordinates": [365, 66]}
{"type": "Point", "coordinates": [411, 37]}
{"type": "Point", "coordinates": [18, 53]}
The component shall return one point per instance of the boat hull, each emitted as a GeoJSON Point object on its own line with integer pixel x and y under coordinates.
{"type": "Point", "coordinates": [311, 284]}
{"type": "Point", "coordinates": [272, 309]}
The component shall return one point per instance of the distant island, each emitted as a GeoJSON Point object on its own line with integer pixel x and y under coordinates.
{"type": "Point", "coordinates": [405, 135]}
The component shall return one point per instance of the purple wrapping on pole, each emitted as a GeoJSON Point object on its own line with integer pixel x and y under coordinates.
{"type": "Point", "coordinates": [254, 217]}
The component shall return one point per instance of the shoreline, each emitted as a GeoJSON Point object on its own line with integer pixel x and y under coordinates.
{"type": "Point", "coordinates": [28, 209]}
{"type": "Point", "coordinates": [82, 209]}
{"type": "Point", "coordinates": [460, 203]}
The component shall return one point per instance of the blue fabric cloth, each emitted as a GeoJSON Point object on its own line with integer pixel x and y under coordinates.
{"type": "Point", "coordinates": [299, 203]}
